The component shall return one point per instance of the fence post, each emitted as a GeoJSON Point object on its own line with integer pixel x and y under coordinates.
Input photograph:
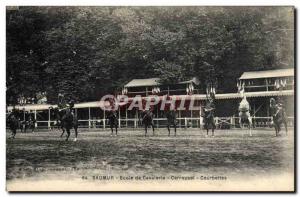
{"type": "Point", "coordinates": [49, 118]}
{"type": "Point", "coordinates": [191, 118]}
{"type": "Point", "coordinates": [179, 115]}
{"type": "Point", "coordinates": [35, 117]}
{"type": "Point", "coordinates": [119, 118]}
{"type": "Point", "coordinates": [104, 119]}
{"type": "Point", "coordinates": [185, 122]}
{"type": "Point", "coordinates": [126, 117]}
{"type": "Point", "coordinates": [89, 117]}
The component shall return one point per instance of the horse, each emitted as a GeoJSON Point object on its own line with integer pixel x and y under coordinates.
{"type": "Point", "coordinates": [58, 119]}
{"type": "Point", "coordinates": [13, 123]}
{"type": "Point", "coordinates": [147, 120]}
{"type": "Point", "coordinates": [244, 114]}
{"type": "Point", "coordinates": [209, 116]}
{"type": "Point", "coordinates": [278, 116]}
{"type": "Point", "coordinates": [112, 121]}
{"type": "Point", "coordinates": [171, 120]}
{"type": "Point", "coordinates": [67, 120]}
{"type": "Point", "coordinates": [28, 124]}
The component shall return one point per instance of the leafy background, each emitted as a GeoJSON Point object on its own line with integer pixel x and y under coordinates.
{"type": "Point", "coordinates": [87, 52]}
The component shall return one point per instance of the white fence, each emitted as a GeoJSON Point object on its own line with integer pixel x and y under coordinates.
{"type": "Point", "coordinates": [188, 122]}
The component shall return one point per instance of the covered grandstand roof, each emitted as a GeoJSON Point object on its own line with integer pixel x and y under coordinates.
{"type": "Point", "coordinates": [289, 72]}
{"type": "Point", "coordinates": [155, 82]}
{"type": "Point", "coordinates": [143, 82]}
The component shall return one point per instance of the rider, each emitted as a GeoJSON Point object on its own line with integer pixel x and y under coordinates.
{"type": "Point", "coordinates": [210, 106]}
{"type": "Point", "coordinates": [280, 103]}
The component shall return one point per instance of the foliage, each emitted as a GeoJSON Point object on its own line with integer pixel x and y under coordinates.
{"type": "Point", "coordinates": [87, 52]}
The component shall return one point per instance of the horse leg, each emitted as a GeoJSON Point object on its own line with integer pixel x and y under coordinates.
{"type": "Point", "coordinates": [116, 126]}
{"type": "Point", "coordinates": [250, 126]}
{"type": "Point", "coordinates": [152, 125]}
{"type": "Point", "coordinates": [276, 129]}
{"type": "Point", "coordinates": [13, 133]}
{"type": "Point", "coordinates": [285, 126]}
{"type": "Point", "coordinates": [63, 131]}
{"type": "Point", "coordinates": [76, 133]}
{"type": "Point", "coordinates": [175, 128]}
{"type": "Point", "coordinates": [68, 133]}
{"type": "Point", "coordinates": [168, 126]}
{"type": "Point", "coordinates": [146, 130]}
{"type": "Point", "coordinates": [207, 132]}
{"type": "Point", "coordinates": [279, 128]}
{"type": "Point", "coordinates": [112, 130]}
{"type": "Point", "coordinates": [33, 127]}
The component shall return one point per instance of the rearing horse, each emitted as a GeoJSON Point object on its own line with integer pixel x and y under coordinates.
{"type": "Point", "coordinates": [67, 120]}
{"type": "Point", "coordinates": [278, 116]}
{"type": "Point", "coordinates": [171, 120]}
{"type": "Point", "coordinates": [209, 115]}
{"type": "Point", "coordinates": [244, 114]}
{"type": "Point", "coordinates": [112, 121]}
{"type": "Point", "coordinates": [147, 120]}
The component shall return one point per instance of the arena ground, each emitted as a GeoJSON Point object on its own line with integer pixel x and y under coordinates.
{"type": "Point", "coordinates": [43, 155]}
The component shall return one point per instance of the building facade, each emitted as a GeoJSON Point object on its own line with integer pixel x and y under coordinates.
{"type": "Point", "coordinates": [259, 87]}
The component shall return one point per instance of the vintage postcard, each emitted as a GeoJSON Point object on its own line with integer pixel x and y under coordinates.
{"type": "Point", "coordinates": [152, 99]}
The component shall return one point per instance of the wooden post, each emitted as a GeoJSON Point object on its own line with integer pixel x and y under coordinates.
{"type": "Point", "coordinates": [119, 118]}
{"type": "Point", "coordinates": [268, 109]}
{"type": "Point", "coordinates": [35, 117]}
{"type": "Point", "coordinates": [267, 85]}
{"type": "Point", "coordinates": [104, 119]}
{"type": "Point", "coordinates": [157, 125]}
{"type": "Point", "coordinates": [135, 117]}
{"type": "Point", "coordinates": [179, 114]}
{"type": "Point", "coordinates": [126, 116]}
{"type": "Point", "coordinates": [89, 117]}
{"type": "Point", "coordinates": [49, 118]}
{"type": "Point", "coordinates": [200, 115]}
{"type": "Point", "coordinates": [191, 118]}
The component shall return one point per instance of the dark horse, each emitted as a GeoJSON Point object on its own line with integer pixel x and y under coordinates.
{"type": "Point", "coordinates": [171, 120]}
{"type": "Point", "coordinates": [209, 116]}
{"type": "Point", "coordinates": [58, 119]}
{"type": "Point", "coordinates": [278, 115]}
{"type": "Point", "coordinates": [112, 121]}
{"type": "Point", "coordinates": [13, 123]}
{"type": "Point", "coordinates": [147, 120]}
{"type": "Point", "coordinates": [66, 120]}
{"type": "Point", "coordinates": [29, 124]}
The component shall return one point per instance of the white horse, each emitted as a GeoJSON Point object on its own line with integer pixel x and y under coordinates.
{"type": "Point", "coordinates": [244, 114]}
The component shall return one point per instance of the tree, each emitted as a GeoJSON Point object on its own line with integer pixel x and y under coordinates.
{"type": "Point", "coordinates": [87, 52]}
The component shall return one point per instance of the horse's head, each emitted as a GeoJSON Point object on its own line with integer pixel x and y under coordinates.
{"type": "Point", "coordinates": [272, 102]}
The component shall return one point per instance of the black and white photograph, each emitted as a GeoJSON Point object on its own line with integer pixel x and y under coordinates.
{"type": "Point", "coordinates": [150, 98]}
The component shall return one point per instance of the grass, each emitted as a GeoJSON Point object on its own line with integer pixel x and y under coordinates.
{"type": "Point", "coordinates": [31, 155]}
